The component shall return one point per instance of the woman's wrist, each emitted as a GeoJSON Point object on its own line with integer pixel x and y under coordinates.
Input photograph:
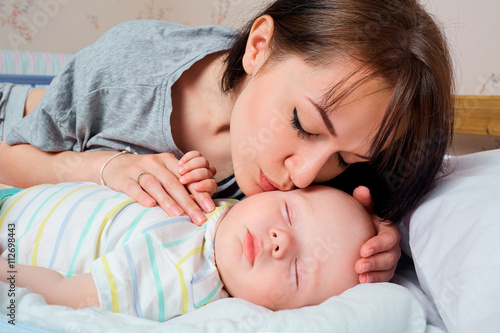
{"type": "Point", "coordinates": [101, 171]}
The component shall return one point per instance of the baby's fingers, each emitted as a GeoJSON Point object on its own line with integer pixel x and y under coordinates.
{"type": "Point", "coordinates": [193, 164]}
{"type": "Point", "coordinates": [196, 176]}
{"type": "Point", "coordinates": [207, 185]}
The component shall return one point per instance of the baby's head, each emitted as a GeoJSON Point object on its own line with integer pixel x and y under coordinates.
{"type": "Point", "coordinates": [285, 250]}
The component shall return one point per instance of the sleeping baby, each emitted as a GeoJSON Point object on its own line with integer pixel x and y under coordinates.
{"type": "Point", "coordinates": [83, 245]}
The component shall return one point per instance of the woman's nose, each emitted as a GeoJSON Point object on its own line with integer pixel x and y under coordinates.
{"type": "Point", "coordinates": [281, 243]}
{"type": "Point", "coordinates": [303, 168]}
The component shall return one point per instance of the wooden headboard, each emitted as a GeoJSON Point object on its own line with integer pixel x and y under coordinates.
{"type": "Point", "coordinates": [477, 114]}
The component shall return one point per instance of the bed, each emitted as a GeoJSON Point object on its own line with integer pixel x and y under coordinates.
{"type": "Point", "coordinates": [449, 284]}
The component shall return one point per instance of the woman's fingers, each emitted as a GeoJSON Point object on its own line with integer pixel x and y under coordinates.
{"type": "Point", "coordinates": [151, 179]}
{"type": "Point", "coordinates": [380, 262]}
{"type": "Point", "coordinates": [380, 254]}
{"type": "Point", "coordinates": [203, 199]}
{"type": "Point", "coordinates": [387, 239]}
{"type": "Point", "coordinates": [150, 185]}
{"type": "Point", "coordinates": [384, 276]}
{"type": "Point", "coordinates": [363, 195]}
{"type": "Point", "coordinates": [173, 189]}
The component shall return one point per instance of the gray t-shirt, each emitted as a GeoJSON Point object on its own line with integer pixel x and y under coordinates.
{"type": "Point", "coordinates": [116, 93]}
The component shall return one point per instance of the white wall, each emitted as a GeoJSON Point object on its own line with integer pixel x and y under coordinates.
{"type": "Point", "coordinates": [67, 26]}
{"type": "Point", "coordinates": [472, 27]}
{"type": "Point", "coordinates": [473, 31]}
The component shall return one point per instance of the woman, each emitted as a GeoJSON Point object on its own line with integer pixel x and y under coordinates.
{"type": "Point", "coordinates": [308, 88]}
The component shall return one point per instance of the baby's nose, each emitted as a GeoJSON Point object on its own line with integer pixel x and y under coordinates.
{"type": "Point", "coordinates": [281, 242]}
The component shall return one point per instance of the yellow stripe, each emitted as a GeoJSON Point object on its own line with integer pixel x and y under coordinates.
{"type": "Point", "coordinates": [112, 284]}
{"type": "Point", "coordinates": [232, 201]}
{"type": "Point", "coordinates": [13, 203]}
{"type": "Point", "coordinates": [105, 221]}
{"type": "Point", "coordinates": [182, 282]}
{"type": "Point", "coordinates": [42, 226]}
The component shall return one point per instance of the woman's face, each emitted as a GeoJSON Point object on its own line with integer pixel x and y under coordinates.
{"type": "Point", "coordinates": [281, 137]}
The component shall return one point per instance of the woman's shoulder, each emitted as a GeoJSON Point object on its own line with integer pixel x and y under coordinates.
{"type": "Point", "coordinates": [164, 29]}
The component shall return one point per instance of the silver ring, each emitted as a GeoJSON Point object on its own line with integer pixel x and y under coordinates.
{"type": "Point", "coordinates": [139, 177]}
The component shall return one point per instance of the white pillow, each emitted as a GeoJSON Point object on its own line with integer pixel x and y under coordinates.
{"type": "Point", "coordinates": [454, 238]}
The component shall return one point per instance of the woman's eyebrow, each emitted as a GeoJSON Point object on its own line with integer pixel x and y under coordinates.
{"type": "Point", "coordinates": [321, 110]}
{"type": "Point", "coordinates": [324, 116]}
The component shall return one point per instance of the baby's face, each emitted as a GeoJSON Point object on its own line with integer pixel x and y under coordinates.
{"type": "Point", "coordinates": [285, 250]}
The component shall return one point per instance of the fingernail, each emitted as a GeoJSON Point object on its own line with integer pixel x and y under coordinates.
{"type": "Point", "coordinates": [368, 279]}
{"type": "Point", "coordinates": [151, 203]}
{"type": "Point", "coordinates": [181, 170]}
{"type": "Point", "coordinates": [370, 252]}
{"type": "Point", "coordinates": [366, 267]}
{"type": "Point", "coordinates": [198, 217]}
{"type": "Point", "coordinates": [176, 210]}
{"type": "Point", "coordinates": [181, 162]}
{"type": "Point", "coordinates": [182, 179]}
{"type": "Point", "coordinates": [208, 205]}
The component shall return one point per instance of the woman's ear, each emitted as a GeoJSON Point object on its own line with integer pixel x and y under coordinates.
{"type": "Point", "coordinates": [257, 48]}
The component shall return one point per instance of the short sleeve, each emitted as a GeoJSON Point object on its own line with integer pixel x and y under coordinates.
{"type": "Point", "coordinates": [115, 93]}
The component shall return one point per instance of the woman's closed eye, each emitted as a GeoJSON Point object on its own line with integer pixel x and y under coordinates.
{"type": "Point", "coordinates": [342, 164]}
{"type": "Point", "coordinates": [296, 125]}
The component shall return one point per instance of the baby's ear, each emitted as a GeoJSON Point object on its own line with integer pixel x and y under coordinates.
{"type": "Point", "coordinates": [257, 48]}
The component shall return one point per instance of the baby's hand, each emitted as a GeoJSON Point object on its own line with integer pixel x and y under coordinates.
{"type": "Point", "coordinates": [196, 173]}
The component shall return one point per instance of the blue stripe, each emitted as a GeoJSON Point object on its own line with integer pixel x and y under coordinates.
{"type": "Point", "coordinates": [18, 218]}
{"type": "Point", "coordinates": [202, 271]}
{"type": "Point", "coordinates": [35, 214]}
{"type": "Point", "coordinates": [183, 240]}
{"type": "Point", "coordinates": [133, 275]}
{"type": "Point", "coordinates": [65, 223]}
{"type": "Point", "coordinates": [162, 223]}
{"type": "Point", "coordinates": [83, 235]}
{"type": "Point", "coordinates": [112, 223]}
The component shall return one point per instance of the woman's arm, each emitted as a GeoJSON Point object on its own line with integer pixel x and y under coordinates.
{"type": "Point", "coordinates": [24, 165]}
{"type": "Point", "coordinates": [78, 291]}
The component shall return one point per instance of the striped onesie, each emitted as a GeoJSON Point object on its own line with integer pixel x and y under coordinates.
{"type": "Point", "coordinates": [143, 262]}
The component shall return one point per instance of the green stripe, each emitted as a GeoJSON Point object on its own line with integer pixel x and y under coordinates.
{"type": "Point", "coordinates": [208, 298]}
{"type": "Point", "coordinates": [134, 224]}
{"type": "Point", "coordinates": [159, 289]}
{"type": "Point", "coordinates": [83, 235]}
{"type": "Point", "coordinates": [33, 218]}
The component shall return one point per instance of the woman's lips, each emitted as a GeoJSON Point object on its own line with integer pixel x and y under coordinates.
{"type": "Point", "coordinates": [265, 183]}
{"type": "Point", "coordinates": [251, 247]}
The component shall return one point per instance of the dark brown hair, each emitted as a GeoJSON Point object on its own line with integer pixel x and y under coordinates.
{"type": "Point", "coordinates": [393, 40]}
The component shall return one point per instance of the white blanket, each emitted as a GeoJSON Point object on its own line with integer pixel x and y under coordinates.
{"type": "Point", "coordinates": [381, 307]}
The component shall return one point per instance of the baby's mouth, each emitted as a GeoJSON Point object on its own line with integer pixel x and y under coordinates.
{"type": "Point", "coordinates": [251, 247]}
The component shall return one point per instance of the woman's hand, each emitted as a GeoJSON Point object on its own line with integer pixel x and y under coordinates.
{"type": "Point", "coordinates": [381, 253]}
{"type": "Point", "coordinates": [159, 179]}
